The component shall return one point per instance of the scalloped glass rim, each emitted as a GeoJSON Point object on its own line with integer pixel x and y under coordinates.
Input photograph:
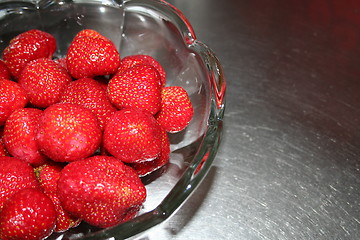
{"type": "Point", "coordinates": [206, 145]}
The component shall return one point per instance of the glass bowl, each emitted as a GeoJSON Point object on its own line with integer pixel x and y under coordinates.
{"type": "Point", "coordinates": [151, 27]}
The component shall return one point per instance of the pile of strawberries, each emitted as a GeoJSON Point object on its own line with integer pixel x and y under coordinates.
{"type": "Point", "coordinates": [78, 133]}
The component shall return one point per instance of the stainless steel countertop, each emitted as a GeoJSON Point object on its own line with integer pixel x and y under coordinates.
{"type": "Point", "coordinates": [289, 163]}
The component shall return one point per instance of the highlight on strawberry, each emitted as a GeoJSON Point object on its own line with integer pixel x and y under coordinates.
{"type": "Point", "coordinates": [78, 133]}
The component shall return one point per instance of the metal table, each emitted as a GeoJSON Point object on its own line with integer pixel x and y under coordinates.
{"type": "Point", "coordinates": [289, 162]}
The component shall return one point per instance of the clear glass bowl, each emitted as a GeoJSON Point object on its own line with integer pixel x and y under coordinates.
{"type": "Point", "coordinates": [151, 27]}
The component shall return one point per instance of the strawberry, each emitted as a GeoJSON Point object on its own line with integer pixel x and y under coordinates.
{"type": "Point", "coordinates": [28, 214]}
{"type": "Point", "coordinates": [4, 71]}
{"type": "Point", "coordinates": [101, 190]}
{"type": "Point", "coordinates": [147, 167]}
{"type": "Point", "coordinates": [90, 33]}
{"type": "Point", "coordinates": [137, 87]}
{"type": "Point", "coordinates": [19, 135]}
{"type": "Point", "coordinates": [132, 60]}
{"type": "Point", "coordinates": [68, 132]}
{"type": "Point", "coordinates": [44, 80]}
{"type": "Point", "coordinates": [12, 97]}
{"type": "Point", "coordinates": [132, 135]}
{"type": "Point", "coordinates": [90, 94]}
{"type": "Point", "coordinates": [26, 47]}
{"type": "Point", "coordinates": [48, 175]}
{"type": "Point", "coordinates": [15, 174]}
{"type": "Point", "coordinates": [176, 109]}
{"type": "Point", "coordinates": [90, 56]}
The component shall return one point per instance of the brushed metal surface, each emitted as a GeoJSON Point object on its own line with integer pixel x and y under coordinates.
{"type": "Point", "coordinates": [289, 163]}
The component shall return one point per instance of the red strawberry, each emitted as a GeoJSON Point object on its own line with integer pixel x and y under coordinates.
{"type": "Point", "coordinates": [132, 60]}
{"type": "Point", "coordinates": [137, 87]}
{"type": "Point", "coordinates": [132, 135]}
{"type": "Point", "coordinates": [90, 33]}
{"type": "Point", "coordinates": [12, 97]}
{"type": "Point", "coordinates": [90, 94]}
{"type": "Point", "coordinates": [44, 81]}
{"type": "Point", "coordinates": [90, 56]}
{"type": "Point", "coordinates": [26, 47]}
{"type": "Point", "coordinates": [4, 71]}
{"type": "Point", "coordinates": [15, 174]}
{"type": "Point", "coordinates": [19, 135]}
{"type": "Point", "coordinates": [101, 190]}
{"type": "Point", "coordinates": [147, 167]}
{"type": "Point", "coordinates": [48, 175]}
{"type": "Point", "coordinates": [68, 132]}
{"type": "Point", "coordinates": [176, 109]}
{"type": "Point", "coordinates": [28, 214]}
